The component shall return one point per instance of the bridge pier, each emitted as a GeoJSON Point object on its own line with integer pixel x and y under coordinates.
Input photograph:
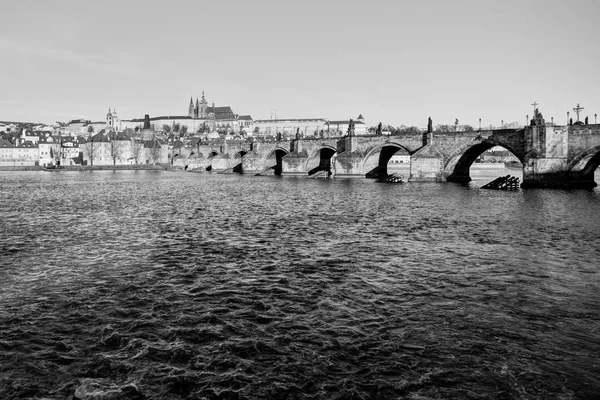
{"type": "Point", "coordinates": [553, 173]}
{"type": "Point", "coordinates": [293, 164]}
{"type": "Point", "coordinates": [348, 165]}
{"type": "Point", "coordinates": [426, 165]}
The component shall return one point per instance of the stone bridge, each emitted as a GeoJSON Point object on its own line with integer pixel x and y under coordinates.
{"type": "Point", "coordinates": [552, 156]}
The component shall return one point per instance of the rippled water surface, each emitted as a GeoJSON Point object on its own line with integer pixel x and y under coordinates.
{"type": "Point", "coordinates": [168, 285]}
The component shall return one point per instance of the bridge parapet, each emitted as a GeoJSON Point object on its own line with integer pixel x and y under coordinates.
{"type": "Point", "coordinates": [582, 138]}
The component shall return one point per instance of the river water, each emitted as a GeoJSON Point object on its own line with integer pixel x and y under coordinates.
{"type": "Point", "coordinates": [168, 285]}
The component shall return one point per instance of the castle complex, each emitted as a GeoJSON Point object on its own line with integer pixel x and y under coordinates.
{"type": "Point", "coordinates": [202, 118]}
{"type": "Point", "coordinates": [202, 111]}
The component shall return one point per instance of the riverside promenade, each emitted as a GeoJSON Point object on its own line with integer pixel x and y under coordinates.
{"type": "Point", "coordinates": [90, 167]}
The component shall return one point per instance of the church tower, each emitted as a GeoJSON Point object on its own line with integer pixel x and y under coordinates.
{"type": "Point", "coordinates": [115, 120]}
{"type": "Point", "coordinates": [191, 108]}
{"type": "Point", "coordinates": [112, 120]}
{"type": "Point", "coordinates": [197, 109]}
{"type": "Point", "coordinates": [203, 107]}
{"type": "Point", "coordinates": [109, 119]}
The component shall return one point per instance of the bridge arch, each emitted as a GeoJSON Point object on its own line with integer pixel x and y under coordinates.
{"type": "Point", "coordinates": [374, 164]}
{"type": "Point", "coordinates": [209, 157]}
{"type": "Point", "coordinates": [273, 160]}
{"type": "Point", "coordinates": [319, 159]}
{"type": "Point", "coordinates": [457, 166]}
{"type": "Point", "coordinates": [582, 167]}
{"type": "Point", "coordinates": [237, 161]}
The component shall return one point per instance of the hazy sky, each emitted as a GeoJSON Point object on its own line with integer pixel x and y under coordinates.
{"type": "Point", "coordinates": [397, 62]}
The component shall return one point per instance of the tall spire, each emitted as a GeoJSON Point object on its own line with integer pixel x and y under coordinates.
{"type": "Point", "coordinates": [191, 107]}
{"type": "Point", "coordinates": [203, 95]}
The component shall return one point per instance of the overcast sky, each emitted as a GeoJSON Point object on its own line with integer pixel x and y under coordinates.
{"type": "Point", "coordinates": [397, 62]}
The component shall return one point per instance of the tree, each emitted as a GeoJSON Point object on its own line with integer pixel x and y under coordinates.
{"type": "Point", "coordinates": [443, 128]}
{"type": "Point", "coordinates": [407, 130]}
{"type": "Point", "coordinates": [90, 130]}
{"type": "Point", "coordinates": [166, 128]}
{"type": "Point", "coordinates": [56, 151]}
{"type": "Point", "coordinates": [90, 147]}
{"type": "Point", "coordinates": [183, 130]}
{"type": "Point", "coordinates": [154, 150]}
{"type": "Point", "coordinates": [136, 150]}
{"type": "Point", "coordinates": [115, 146]}
{"type": "Point", "coordinates": [176, 127]}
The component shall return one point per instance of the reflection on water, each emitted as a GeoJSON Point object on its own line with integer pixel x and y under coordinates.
{"type": "Point", "coordinates": [166, 285]}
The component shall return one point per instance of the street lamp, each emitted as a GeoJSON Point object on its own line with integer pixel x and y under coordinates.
{"type": "Point", "coordinates": [595, 117]}
{"type": "Point", "coordinates": [567, 118]}
{"type": "Point", "coordinates": [552, 121]}
{"type": "Point", "coordinates": [502, 124]}
{"type": "Point", "coordinates": [527, 120]}
{"type": "Point", "coordinates": [479, 123]}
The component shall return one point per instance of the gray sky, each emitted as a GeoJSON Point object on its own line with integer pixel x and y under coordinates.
{"type": "Point", "coordinates": [397, 62]}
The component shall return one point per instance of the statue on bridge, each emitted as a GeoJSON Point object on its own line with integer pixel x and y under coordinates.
{"type": "Point", "coordinates": [429, 125]}
{"type": "Point", "coordinates": [351, 128]}
{"type": "Point", "coordinates": [379, 130]}
{"type": "Point", "coordinates": [538, 118]}
{"type": "Point", "coordinates": [298, 134]}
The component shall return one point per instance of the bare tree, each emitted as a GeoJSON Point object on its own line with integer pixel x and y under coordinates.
{"type": "Point", "coordinates": [136, 149]}
{"type": "Point", "coordinates": [443, 128]}
{"type": "Point", "coordinates": [56, 151]}
{"type": "Point", "coordinates": [90, 147]}
{"type": "Point", "coordinates": [154, 149]}
{"type": "Point", "coordinates": [115, 147]}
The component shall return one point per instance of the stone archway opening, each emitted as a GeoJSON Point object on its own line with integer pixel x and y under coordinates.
{"type": "Point", "coordinates": [325, 155]}
{"type": "Point", "coordinates": [399, 163]}
{"type": "Point", "coordinates": [238, 168]}
{"type": "Point", "coordinates": [484, 162]}
{"type": "Point", "coordinates": [389, 160]}
{"type": "Point", "coordinates": [279, 154]}
{"type": "Point", "coordinates": [209, 157]}
{"type": "Point", "coordinates": [589, 175]}
{"type": "Point", "coordinates": [273, 163]}
{"type": "Point", "coordinates": [592, 167]}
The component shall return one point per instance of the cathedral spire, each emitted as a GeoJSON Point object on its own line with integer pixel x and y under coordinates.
{"type": "Point", "coordinates": [191, 107]}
